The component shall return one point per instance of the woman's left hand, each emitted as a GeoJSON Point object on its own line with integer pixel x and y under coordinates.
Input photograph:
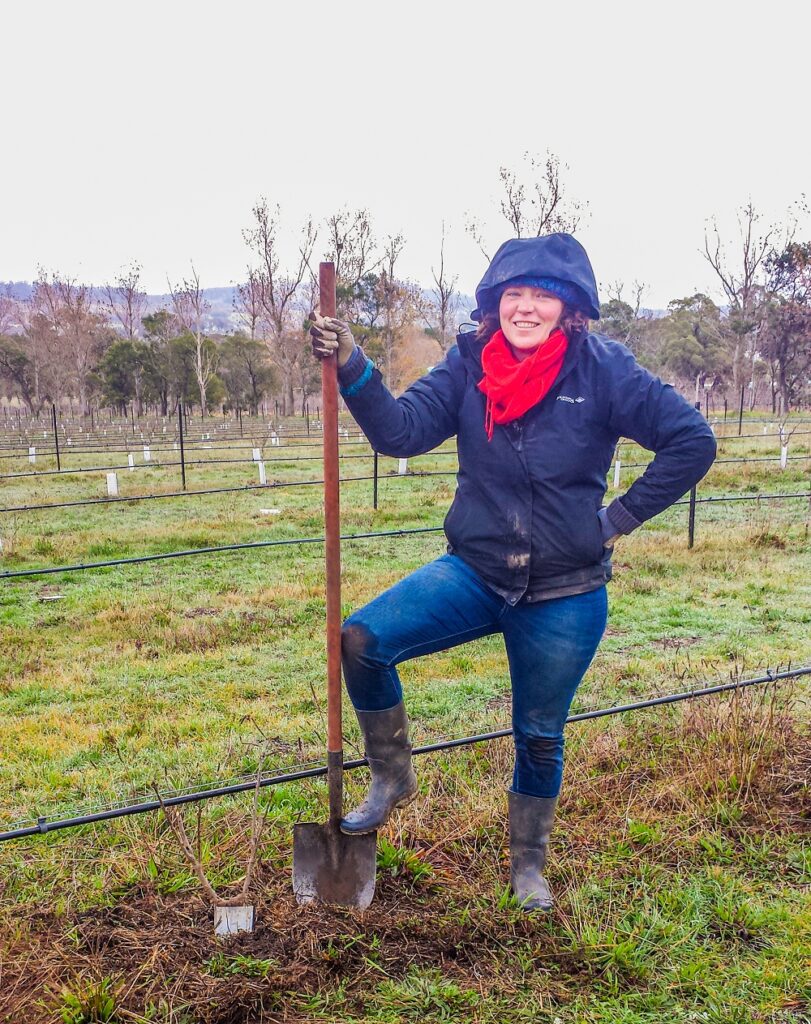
{"type": "Point", "coordinates": [331, 337]}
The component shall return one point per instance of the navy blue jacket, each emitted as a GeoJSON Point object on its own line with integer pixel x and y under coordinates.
{"type": "Point", "coordinates": [526, 511]}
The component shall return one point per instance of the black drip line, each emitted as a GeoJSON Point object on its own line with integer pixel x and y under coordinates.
{"type": "Point", "coordinates": [286, 542]}
{"type": "Point", "coordinates": [212, 550]}
{"type": "Point", "coordinates": [44, 825]}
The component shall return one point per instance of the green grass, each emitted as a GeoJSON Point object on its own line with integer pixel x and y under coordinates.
{"type": "Point", "coordinates": [681, 861]}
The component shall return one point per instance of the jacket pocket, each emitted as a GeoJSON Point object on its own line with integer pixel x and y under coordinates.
{"type": "Point", "coordinates": [572, 538]}
{"type": "Point", "coordinates": [592, 533]}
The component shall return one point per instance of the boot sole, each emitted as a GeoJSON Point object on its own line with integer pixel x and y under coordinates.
{"type": "Point", "coordinates": [403, 802]}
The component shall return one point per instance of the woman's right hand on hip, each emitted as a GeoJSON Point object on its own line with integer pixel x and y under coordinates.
{"type": "Point", "coordinates": [331, 337]}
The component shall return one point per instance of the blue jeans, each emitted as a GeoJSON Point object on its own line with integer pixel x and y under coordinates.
{"type": "Point", "coordinates": [549, 644]}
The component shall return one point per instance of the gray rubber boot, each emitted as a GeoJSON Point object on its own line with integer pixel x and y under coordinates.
{"type": "Point", "coordinates": [394, 783]}
{"type": "Point", "coordinates": [531, 819]}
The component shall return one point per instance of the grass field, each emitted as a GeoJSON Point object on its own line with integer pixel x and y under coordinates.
{"type": "Point", "coordinates": [681, 862]}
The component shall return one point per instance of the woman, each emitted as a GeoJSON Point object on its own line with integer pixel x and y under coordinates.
{"type": "Point", "coordinates": [537, 404]}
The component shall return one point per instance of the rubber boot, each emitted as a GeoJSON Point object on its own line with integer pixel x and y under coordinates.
{"type": "Point", "coordinates": [394, 783]}
{"type": "Point", "coordinates": [531, 819]}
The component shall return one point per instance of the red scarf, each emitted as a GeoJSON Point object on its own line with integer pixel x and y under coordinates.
{"type": "Point", "coordinates": [511, 386]}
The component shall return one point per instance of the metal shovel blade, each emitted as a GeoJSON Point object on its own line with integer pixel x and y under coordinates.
{"type": "Point", "coordinates": [333, 868]}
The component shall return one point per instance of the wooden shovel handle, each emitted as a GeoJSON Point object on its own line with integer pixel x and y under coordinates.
{"type": "Point", "coordinates": [332, 517]}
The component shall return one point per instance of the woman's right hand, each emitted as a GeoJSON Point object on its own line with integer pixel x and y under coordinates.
{"type": "Point", "coordinates": [331, 337]}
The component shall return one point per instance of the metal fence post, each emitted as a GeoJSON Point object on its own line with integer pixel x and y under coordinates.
{"type": "Point", "coordinates": [691, 521]}
{"type": "Point", "coordinates": [182, 452]}
{"type": "Point", "coordinates": [374, 486]}
{"type": "Point", "coordinates": [56, 437]}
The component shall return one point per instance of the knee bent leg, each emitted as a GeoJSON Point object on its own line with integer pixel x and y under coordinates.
{"type": "Point", "coordinates": [357, 642]}
{"type": "Point", "coordinates": [542, 750]}
{"type": "Point", "coordinates": [538, 764]}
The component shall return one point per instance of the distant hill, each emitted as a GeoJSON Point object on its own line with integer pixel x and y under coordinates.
{"type": "Point", "coordinates": [220, 299]}
{"type": "Point", "coordinates": [17, 289]}
{"type": "Point", "coordinates": [221, 315]}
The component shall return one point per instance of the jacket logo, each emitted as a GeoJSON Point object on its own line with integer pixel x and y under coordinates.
{"type": "Point", "coordinates": [571, 401]}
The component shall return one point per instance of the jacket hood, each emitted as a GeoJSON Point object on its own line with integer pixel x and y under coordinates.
{"type": "Point", "coordinates": [559, 255]}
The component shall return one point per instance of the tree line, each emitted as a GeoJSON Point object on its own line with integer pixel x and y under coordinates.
{"type": "Point", "coordinates": [103, 347]}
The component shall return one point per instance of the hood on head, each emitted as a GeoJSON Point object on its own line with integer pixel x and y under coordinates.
{"type": "Point", "coordinates": [559, 256]}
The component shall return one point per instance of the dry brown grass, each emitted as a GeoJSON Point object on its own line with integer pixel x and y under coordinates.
{"type": "Point", "coordinates": [159, 948]}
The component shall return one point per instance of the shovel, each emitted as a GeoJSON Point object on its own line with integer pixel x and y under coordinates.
{"type": "Point", "coordinates": [327, 865]}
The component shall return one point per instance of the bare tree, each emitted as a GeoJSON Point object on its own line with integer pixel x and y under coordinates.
{"type": "Point", "coordinates": [785, 337]}
{"type": "Point", "coordinates": [616, 293]}
{"type": "Point", "coordinates": [623, 318]}
{"type": "Point", "coordinates": [248, 304]}
{"type": "Point", "coordinates": [351, 246]}
{"type": "Point", "coordinates": [125, 301]}
{"type": "Point", "coordinates": [534, 200]}
{"type": "Point", "coordinates": [739, 277]}
{"type": "Point", "coordinates": [9, 310]}
{"type": "Point", "coordinates": [33, 361]}
{"type": "Point", "coordinates": [401, 302]}
{"type": "Point", "coordinates": [277, 291]}
{"type": "Point", "coordinates": [445, 303]}
{"type": "Point", "coordinates": [742, 276]}
{"type": "Point", "coordinates": [190, 307]}
{"type": "Point", "coordinates": [72, 327]}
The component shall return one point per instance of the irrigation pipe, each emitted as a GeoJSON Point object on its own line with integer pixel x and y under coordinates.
{"type": "Point", "coordinates": [212, 550]}
{"type": "Point", "coordinates": [43, 825]}
{"type": "Point", "coordinates": [137, 559]}
{"type": "Point", "coordinates": [390, 476]}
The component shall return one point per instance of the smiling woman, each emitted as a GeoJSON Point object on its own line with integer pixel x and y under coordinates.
{"type": "Point", "coordinates": [537, 403]}
{"type": "Point", "coordinates": [528, 315]}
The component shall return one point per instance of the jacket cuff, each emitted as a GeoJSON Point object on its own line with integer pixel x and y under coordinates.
{"type": "Point", "coordinates": [352, 368]}
{"type": "Point", "coordinates": [620, 518]}
{"type": "Point", "coordinates": [607, 528]}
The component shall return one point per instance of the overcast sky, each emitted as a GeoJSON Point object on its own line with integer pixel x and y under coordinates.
{"type": "Point", "coordinates": [145, 131]}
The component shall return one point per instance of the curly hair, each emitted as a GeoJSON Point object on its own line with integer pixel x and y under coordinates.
{"type": "Point", "coordinates": [573, 322]}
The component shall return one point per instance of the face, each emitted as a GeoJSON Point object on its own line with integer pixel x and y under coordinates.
{"type": "Point", "coordinates": [527, 317]}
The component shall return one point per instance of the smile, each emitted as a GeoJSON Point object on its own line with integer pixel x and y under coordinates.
{"type": "Point", "coordinates": [525, 323]}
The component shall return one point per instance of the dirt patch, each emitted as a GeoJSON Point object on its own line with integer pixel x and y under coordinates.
{"type": "Point", "coordinates": [767, 539]}
{"type": "Point", "coordinates": [503, 702]}
{"type": "Point", "coordinates": [197, 613]}
{"type": "Point", "coordinates": [158, 949]}
{"type": "Point", "coordinates": [675, 643]}
{"type": "Point", "coordinates": [162, 949]}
